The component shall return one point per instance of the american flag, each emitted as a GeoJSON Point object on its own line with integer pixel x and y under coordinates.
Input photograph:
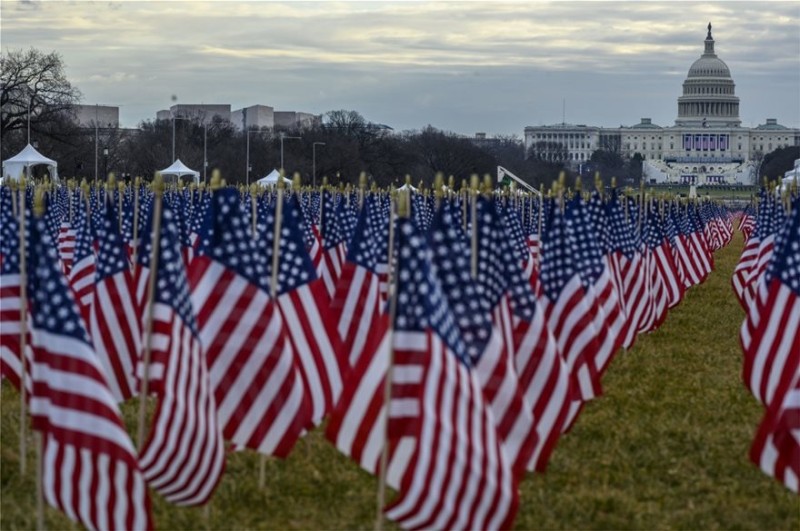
{"type": "Point", "coordinates": [657, 284]}
{"type": "Point", "coordinates": [304, 305]}
{"type": "Point", "coordinates": [114, 321]}
{"type": "Point", "coordinates": [749, 256]}
{"type": "Point", "coordinates": [261, 401]}
{"type": "Point", "coordinates": [357, 300]}
{"type": "Point", "coordinates": [334, 241]}
{"type": "Point", "coordinates": [66, 231]}
{"type": "Point", "coordinates": [461, 477]}
{"type": "Point", "coordinates": [483, 314]}
{"type": "Point", "coordinates": [772, 358]}
{"type": "Point", "coordinates": [184, 456]}
{"type": "Point", "coordinates": [600, 291]}
{"type": "Point", "coordinates": [769, 334]}
{"type": "Point", "coordinates": [10, 296]}
{"type": "Point", "coordinates": [770, 218]}
{"type": "Point", "coordinates": [567, 311]}
{"type": "Point", "coordinates": [89, 466]}
{"type": "Point", "coordinates": [542, 373]}
{"type": "Point", "coordinates": [626, 266]}
{"type": "Point", "coordinates": [81, 276]}
{"type": "Point", "coordinates": [658, 243]}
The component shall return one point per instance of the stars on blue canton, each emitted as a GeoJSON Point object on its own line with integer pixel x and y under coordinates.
{"type": "Point", "coordinates": [202, 202]}
{"type": "Point", "coordinates": [491, 277]}
{"type": "Point", "coordinates": [421, 304]}
{"type": "Point", "coordinates": [653, 229]}
{"type": "Point", "coordinates": [308, 221]}
{"type": "Point", "coordinates": [517, 240]}
{"type": "Point", "coordinates": [363, 248]}
{"type": "Point", "coordinates": [172, 287]}
{"type": "Point", "coordinates": [295, 268]}
{"type": "Point", "coordinates": [620, 232]}
{"type": "Point", "coordinates": [588, 256]}
{"type": "Point", "coordinates": [52, 215]}
{"type": "Point", "coordinates": [112, 257]}
{"type": "Point", "coordinates": [83, 235]}
{"type": "Point", "coordinates": [53, 309]}
{"type": "Point", "coordinates": [9, 237]}
{"type": "Point", "coordinates": [333, 232]}
{"type": "Point", "coordinates": [785, 262]}
{"type": "Point", "coordinates": [559, 248]}
{"type": "Point", "coordinates": [670, 225]}
{"type": "Point", "coordinates": [450, 256]}
{"type": "Point", "coordinates": [226, 237]}
{"type": "Point", "coordinates": [145, 236]}
{"type": "Point", "coordinates": [178, 203]}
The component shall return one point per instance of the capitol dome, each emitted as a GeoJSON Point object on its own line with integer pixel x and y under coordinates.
{"type": "Point", "coordinates": [709, 97]}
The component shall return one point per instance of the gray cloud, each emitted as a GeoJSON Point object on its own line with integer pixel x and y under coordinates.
{"type": "Point", "coordinates": [465, 66]}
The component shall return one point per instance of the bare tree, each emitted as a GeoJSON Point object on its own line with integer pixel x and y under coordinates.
{"type": "Point", "coordinates": [34, 78]}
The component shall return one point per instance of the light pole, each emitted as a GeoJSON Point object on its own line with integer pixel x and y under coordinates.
{"type": "Point", "coordinates": [314, 161]}
{"type": "Point", "coordinates": [283, 136]}
{"type": "Point", "coordinates": [205, 151]}
{"type": "Point", "coordinates": [247, 157]}
{"type": "Point", "coordinates": [173, 134]}
{"type": "Point", "coordinates": [105, 161]}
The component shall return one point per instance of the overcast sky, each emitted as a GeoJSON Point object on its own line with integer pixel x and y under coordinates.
{"type": "Point", "coordinates": [459, 66]}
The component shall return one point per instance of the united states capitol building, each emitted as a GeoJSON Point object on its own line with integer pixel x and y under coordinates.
{"type": "Point", "coordinates": [707, 144]}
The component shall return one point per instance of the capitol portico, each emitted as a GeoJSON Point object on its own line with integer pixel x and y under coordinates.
{"type": "Point", "coordinates": [707, 144]}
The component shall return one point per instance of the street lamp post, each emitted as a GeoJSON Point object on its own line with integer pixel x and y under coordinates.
{"type": "Point", "coordinates": [205, 151]}
{"type": "Point", "coordinates": [105, 161]}
{"type": "Point", "coordinates": [314, 161]}
{"type": "Point", "coordinates": [283, 137]}
{"type": "Point", "coordinates": [247, 157]}
{"type": "Point", "coordinates": [173, 134]}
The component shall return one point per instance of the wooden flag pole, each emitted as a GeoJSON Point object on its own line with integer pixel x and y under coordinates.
{"type": "Point", "coordinates": [273, 287]}
{"type": "Point", "coordinates": [403, 210]}
{"type": "Point", "coordinates": [253, 208]}
{"type": "Point", "coordinates": [473, 192]}
{"type": "Point", "coordinates": [23, 330]}
{"type": "Point", "coordinates": [136, 184]}
{"type": "Point", "coordinates": [38, 210]}
{"type": "Point", "coordinates": [158, 190]}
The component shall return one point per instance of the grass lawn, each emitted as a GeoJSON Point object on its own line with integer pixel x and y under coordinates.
{"type": "Point", "coordinates": [665, 447]}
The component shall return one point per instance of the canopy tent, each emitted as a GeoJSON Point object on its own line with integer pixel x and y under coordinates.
{"type": "Point", "coordinates": [179, 169]}
{"type": "Point", "coordinates": [272, 179]}
{"type": "Point", "coordinates": [407, 187]}
{"type": "Point", "coordinates": [14, 167]}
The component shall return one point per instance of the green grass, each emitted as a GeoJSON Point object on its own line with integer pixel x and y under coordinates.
{"type": "Point", "coordinates": [664, 448]}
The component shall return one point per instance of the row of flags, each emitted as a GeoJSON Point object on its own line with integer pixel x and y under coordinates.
{"type": "Point", "coordinates": [448, 347]}
{"type": "Point", "coordinates": [767, 283]}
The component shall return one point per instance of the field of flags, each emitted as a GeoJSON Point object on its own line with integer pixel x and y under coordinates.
{"type": "Point", "coordinates": [444, 341]}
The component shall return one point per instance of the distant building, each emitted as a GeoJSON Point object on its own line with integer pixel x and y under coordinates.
{"type": "Point", "coordinates": [296, 119]}
{"type": "Point", "coordinates": [255, 116]}
{"type": "Point", "coordinates": [106, 116]}
{"type": "Point", "coordinates": [203, 113]}
{"type": "Point", "coordinates": [707, 144]}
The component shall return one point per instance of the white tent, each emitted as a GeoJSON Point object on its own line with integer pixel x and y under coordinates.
{"type": "Point", "coordinates": [14, 167]}
{"type": "Point", "coordinates": [272, 179]}
{"type": "Point", "coordinates": [407, 187]}
{"type": "Point", "coordinates": [179, 169]}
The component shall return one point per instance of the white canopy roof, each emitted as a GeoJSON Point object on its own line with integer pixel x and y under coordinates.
{"type": "Point", "coordinates": [272, 179]}
{"type": "Point", "coordinates": [180, 169]}
{"type": "Point", "coordinates": [407, 187]}
{"type": "Point", "coordinates": [14, 167]}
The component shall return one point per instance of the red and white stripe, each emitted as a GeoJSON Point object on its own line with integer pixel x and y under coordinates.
{"type": "Point", "coordinates": [460, 477]}
{"type": "Point", "coordinates": [668, 271]}
{"type": "Point", "coordinates": [115, 327]}
{"type": "Point", "coordinates": [316, 344]}
{"type": "Point", "coordinates": [184, 457]}
{"type": "Point", "coordinates": [357, 303]}
{"type": "Point", "coordinates": [89, 467]}
{"type": "Point", "coordinates": [10, 328]}
{"type": "Point", "coordinates": [66, 245]}
{"type": "Point", "coordinates": [776, 447]}
{"type": "Point", "coordinates": [81, 280]}
{"type": "Point", "coordinates": [261, 402]}
{"type": "Point", "coordinates": [632, 289]}
{"type": "Point", "coordinates": [545, 382]}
